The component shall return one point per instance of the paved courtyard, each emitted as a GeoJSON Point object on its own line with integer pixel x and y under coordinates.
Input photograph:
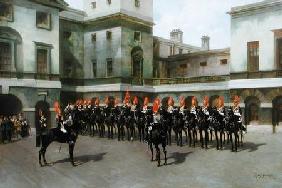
{"type": "Point", "coordinates": [106, 163]}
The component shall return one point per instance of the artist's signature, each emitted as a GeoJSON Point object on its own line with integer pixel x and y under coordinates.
{"type": "Point", "coordinates": [264, 176]}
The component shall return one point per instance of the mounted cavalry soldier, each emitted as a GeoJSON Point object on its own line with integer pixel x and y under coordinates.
{"type": "Point", "coordinates": [237, 111]}
{"type": "Point", "coordinates": [98, 117]}
{"type": "Point", "coordinates": [204, 122]}
{"type": "Point", "coordinates": [109, 118]}
{"type": "Point", "coordinates": [170, 110]}
{"type": "Point", "coordinates": [236, 108]}
{"type": "Point", "coordinates": [222, 113]}
{"type": "Point", "coordinates": [194, 119]}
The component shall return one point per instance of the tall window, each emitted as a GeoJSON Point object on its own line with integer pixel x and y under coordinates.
{"type": "Point", "coordinates": [109, 67]}
{"type": "Point", "coordinates": [42, 61]}
{"type": "Point", "coordinates": [109, 35]}
{"type": "Point", "coordinates": [180, 51]}
{"type": "Point", "coordinates": [94, 68]}
{"type": "Point", "coordinates": [6, 11]}
{"type": "Point", "coordinates": [137, 3]}
{"type": "Point", "coordinates": [137, 36]}
{"type": "Point", "coordinates": [5, 56]}
{"type": "Point", "coordinates": [253, 56]}
{"type": "Point", "coordinates": [171, 50]}
{"type": "Point", "coordinates": [93, 4]}
{"type": "Point", "coordinates": [93, 37]}
{"type": "Point", "coordinates": [43, 20]}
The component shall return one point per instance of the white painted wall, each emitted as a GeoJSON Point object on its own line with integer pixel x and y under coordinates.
{"type": "Point", "coordinates": [255, 27]}
{"type": "Point", "coordinates": [25, 23]}
{"type": "Point", "coordinates": [145, 11]}
{"type": "Point", "coordinates": [101, 50]}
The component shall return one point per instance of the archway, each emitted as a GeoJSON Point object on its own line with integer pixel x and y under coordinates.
{"type": "Point", "coordinates": [45, 108]}
{"type": "Point", "coordinates": [252, 109]}
{"type": "Point", "coordinates": [10, 105]}
{"type": "Point", "coordinates": [277, 111]}
{"type": "Point", "coordinates": [137, 64]}
{"type": "Point", "coordinates": [10, 49]}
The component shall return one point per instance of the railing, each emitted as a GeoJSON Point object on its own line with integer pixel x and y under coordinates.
{"type": "Point", "coordinates": [203, 79]}
{"type": "Point", "coordinates": [256, 75]}
{"type": "Point", "coordinates": [97, 81]}
{"type": "Point", "coordinates": [20, 75]}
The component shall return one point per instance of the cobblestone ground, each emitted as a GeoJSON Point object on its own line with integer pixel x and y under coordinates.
{"type": "Point", "coordinates": [106, 163]}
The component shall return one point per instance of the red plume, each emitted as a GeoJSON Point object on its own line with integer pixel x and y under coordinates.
{"type": "Point", "coordinates": [146, 101]}
{"type": "Point", "coordinates": [127, 97]}
{"type": "Point", "coordinates": [170, 101]}
{"type": "Point", "coordinates": [156, 105]}
{"type": "Point", "coordinates": [181, 101]}
{"type": "Point", "coordinates": [57, 108]}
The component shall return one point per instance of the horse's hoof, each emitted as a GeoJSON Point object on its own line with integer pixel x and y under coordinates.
{"type": "Point", "coordinates": [165, 164]}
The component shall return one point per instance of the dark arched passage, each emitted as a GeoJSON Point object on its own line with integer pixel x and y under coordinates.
{"type": "Point", "coordinates": [10, 105]}
{"type": "Point", "coordinates": [277, 110]}
{"type": "Point", "coordinates": [252, 106]}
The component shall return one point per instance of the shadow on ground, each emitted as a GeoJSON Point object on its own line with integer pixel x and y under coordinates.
{"type": "Point", "coordinates": [178, 157]}
{"type": "Point", "coordinates": [80, 160]}
{"type": "Point", "coordinates": [250, 146]}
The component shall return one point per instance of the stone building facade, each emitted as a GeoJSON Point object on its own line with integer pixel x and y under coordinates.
{"type": "Point", "coordinates": [60, 53]}
{"type": "Point", "coordinates": [29, 56]}
{"type": "Point", "coordinates": [256, 56]}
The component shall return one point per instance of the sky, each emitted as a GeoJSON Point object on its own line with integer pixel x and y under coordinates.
{"type": "Point", "coordinates": [194, 17]}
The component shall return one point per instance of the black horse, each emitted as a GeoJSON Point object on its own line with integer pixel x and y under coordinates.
{"type": "Point", "coordinates": [178, 127]}
{"type": "Point", "coordinates": [235, 127]}
{"type": "Point", "coordinates": [157, 134]}
{"type": "Point", "coordinates": [218, 125]}
{"type": "Point", "coordinates": [56, 135]}
{"type": "Point", "coordinates": [203, 124]}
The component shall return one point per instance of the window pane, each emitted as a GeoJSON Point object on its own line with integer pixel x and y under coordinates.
{"type": "Point", "coordinates": [109, 67]}
{"type": "Point", "coordinates": [43, 20]}
{"type": "Point", "coordinates": [42, 61]}
{"type": "Point", "coordinates": [5, 56]}
{"type": "Point", "coordinates": [253, 56]}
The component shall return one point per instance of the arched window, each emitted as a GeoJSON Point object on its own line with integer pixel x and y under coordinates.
{"type": "Point", "coordinates": [10, 44]}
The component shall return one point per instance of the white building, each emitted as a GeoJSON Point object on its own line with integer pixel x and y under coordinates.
{"type": "Point", "coordinates": [256, 59]}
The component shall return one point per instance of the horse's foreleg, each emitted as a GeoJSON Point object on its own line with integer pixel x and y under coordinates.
{"type": "Point", "coordinates": [44, 159]}
{"type": "Point", "coordinates": [165, 152]}
{"type": "Point", "coordinates": [71, 148]}
{"type": "Point", "coordinates": [40, 153]}
{"type": "Point", "coordinates": [232, 144]}
{"type": "Point", "coordinates": [211, 135]}
{"type": "Point", "coordinates": [152, 151]}
{"type": "Point", "coordinates": [181, 141]}
{"type": "Point", "coordinates": [206, 138]}
{"type": "Point", "coordinates": [217, 141]}
{"type": "Point", "coordinates": [201, 138]}
{"type": "Point", "coordinates": [221, 136]}
{"type": "Point", "coordinates": [158, 155]}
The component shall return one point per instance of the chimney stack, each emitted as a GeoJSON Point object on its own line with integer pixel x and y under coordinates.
{"type": "Point", "coordinates": [176, 35]}
{"type": "Point", "coordinates": [206, 43]}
